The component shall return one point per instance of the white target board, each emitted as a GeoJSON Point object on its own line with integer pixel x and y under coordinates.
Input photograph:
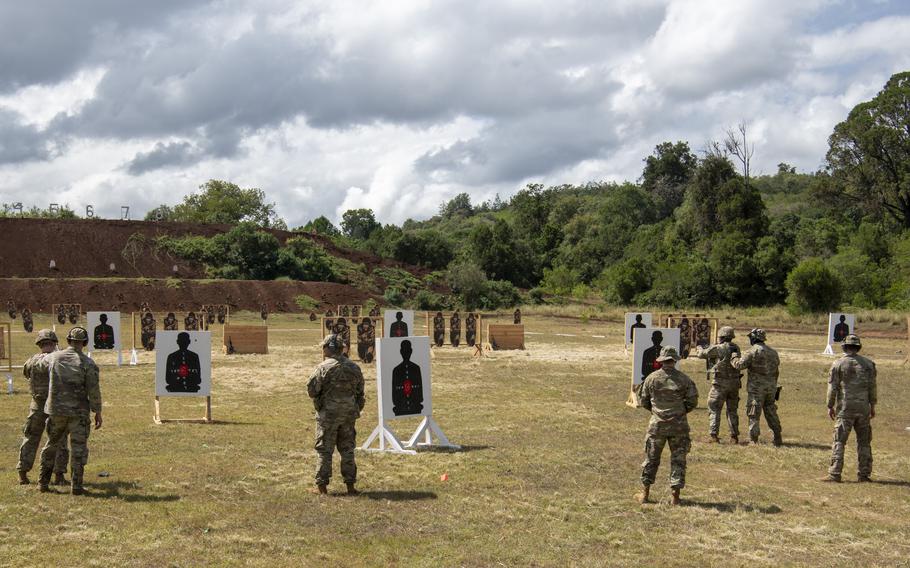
{"type": "Point", "coordinates": [646, 348]}
{"type": "Point", "coordinates": [403, 377]}
{"type": "Point", "coordinates": [103, 331]}
{"type": "Point", "coordinates": [636, 320]}
{"type": "Point", "coordinates": [398, 323]}
{"type": "Point", "coordinates": [183, 363]}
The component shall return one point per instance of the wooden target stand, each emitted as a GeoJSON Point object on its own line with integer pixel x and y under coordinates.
{"type": "Point", "coordinates": [207, 419]}
{"type": "Point", "coordinates": [6, 354]}
{"type": "Point", "coordinates": [66, 310]}
{"type": "Point", "coordinates": [673, 321]}
{"type": "Point", "coordinates": [378, 329]}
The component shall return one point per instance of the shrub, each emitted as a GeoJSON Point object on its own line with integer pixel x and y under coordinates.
{"type": "Point", "coordinates": [427, 300]}
{"type": "Point", "coordinates": [559, 280]}
{"type": "Point", "coordinates": [536, 296]}
{"type": "Point", "coordinates": [812, 287]}
{"type": "Point", "coordinates": [306, 303]}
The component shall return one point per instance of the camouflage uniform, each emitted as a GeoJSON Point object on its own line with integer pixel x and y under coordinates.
{"type": "Point", "coordinates": [763, 364]}
{"type": "Point", "coordinates": [852, 394]}
{"type": "Point", "coordinates": [336, 387]}
{"type": "Point", "coordinates": [725, 384]}
{"type": "Point", "coordinates": [36, 371]}
{"type": "Point", "coordinates": [74, 391]}
{"type": "Point", "coordinates": [670, 395]}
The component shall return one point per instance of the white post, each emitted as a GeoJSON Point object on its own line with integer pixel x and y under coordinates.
{"type": "Point", "coordinates": [9, 383]}
{"type": "Point", "coordinates": [134, 357]}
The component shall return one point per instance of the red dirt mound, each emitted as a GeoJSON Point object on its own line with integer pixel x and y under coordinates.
{"type": "Point", "coordinates": [126, 295]}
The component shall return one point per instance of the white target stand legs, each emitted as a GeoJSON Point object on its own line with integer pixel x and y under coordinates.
{"type": "Point", "coordinates": [428, 426]}
{"type": "Point", "coordinates": [388, 441]}
{"type": "Point", "coordinates": [134, 357]}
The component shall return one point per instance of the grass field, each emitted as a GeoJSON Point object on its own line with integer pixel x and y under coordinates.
{"type": "Point", "coordinates": [547, 477]}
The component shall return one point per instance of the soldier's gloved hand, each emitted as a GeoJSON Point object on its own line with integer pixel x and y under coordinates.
{"type": "Point", "coordinates": [872, 411]}
{"type": "Point", "coordinates": [831, 413]}
{"type": "Point", "coordinates": [97, 420]}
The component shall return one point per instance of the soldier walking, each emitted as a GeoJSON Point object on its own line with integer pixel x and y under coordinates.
{"type": "Point", "coordinates": [725, 384]}
{"type": "Point", "coordinates": [336, 387]}
{"type": "Point", "coordinates": [37, 373]}
{"type": "Point", "coordinates": [669, 394]}
{"type": "Point", "coordinates": [74, 392]}
{"type": "Point", "coordinates": [763, 364]}
{"type": "Point", "coordinates": [852, 396]}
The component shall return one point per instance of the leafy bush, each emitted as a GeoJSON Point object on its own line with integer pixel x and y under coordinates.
{"type": "Point", "coordinates": [427, 300]}
{"type": "Point", "coordinates": [559, 280]}
{"type": "Point", "coordinates": [306, 303]}
{"type": "Point", "coordinates": [623, 281]}
{"type": "Point", "coordinates": [395, 296]}
{"type": "Point", "coordinates": [813, 287]}
{"type": "Point", "coordinates": [536, 296]}
{"type": "Point", "coordinates": [499, 294]}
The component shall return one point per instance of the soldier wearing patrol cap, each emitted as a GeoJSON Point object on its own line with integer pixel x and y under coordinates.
{"type": "Point", "coordinates": [852, 395]}
{"type": "Point", "coordinates": [336, 387]}
{"type": "Point", "coordinates": [36, 371]}
{"type": "Point", "coordinates": [669, 394]}
{"type": "Point", "coordinates": [761, 388]}
{"type": "Point", "coordinates": [725, 383]}
{"type": "Point", "coordinates": [74, 392]}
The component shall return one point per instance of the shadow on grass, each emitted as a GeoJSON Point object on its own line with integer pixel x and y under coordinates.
{"type": "Point", "coordinates": [444, 450]}
{"type": "Point", "coordinates": [398, 495]}
{"type": "Point", "coordinates": [121, 490]}
{"type": "Point", "coordinates": [733, 507]}
{"type": "Point", "coordinates": [234, 423]}
{"type": "Point", "coordinates": [896, 482]}
{"type": "Point", "coordinates": [807, 446]}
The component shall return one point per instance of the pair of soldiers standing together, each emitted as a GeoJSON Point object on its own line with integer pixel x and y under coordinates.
{"type": "Point", "coordinates": [670, 395]}
{"type": "Point", "coordinates": [65, 388]}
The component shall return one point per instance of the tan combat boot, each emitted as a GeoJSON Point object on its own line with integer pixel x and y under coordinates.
{"type": "Point", "coordinates": [863, 478]}
{"type": "Point", "coordinates": [23, 477]}
{"type": "Point", "coordinates": [778, 439]}
{"type": "Point", "coordinates": [77, 488]}
{"type": "Point", "coordinates": [642, 497]}
{"type": "Point", "coordinates": [60, 479]}
{"type": "Point", "coordinates": [734, 440]}
{"type": "Point", "coordinates": [351, 489]}
{"type": "Point", "coordinates": [831, 478]}
{"type": "Point", "coordinates": [44, 480]}
{"type": "Point", "coordinates": [674, 497]}
{"type": "Point", "coordinates": [319, 490]}
{"type": "Point", "coordinates": [714, 439]}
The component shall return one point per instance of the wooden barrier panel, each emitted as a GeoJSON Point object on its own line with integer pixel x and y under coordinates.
{"type": "Point", "coordinates": [506, 336]}
{"type": "Point", "coordinates": [241, 339]}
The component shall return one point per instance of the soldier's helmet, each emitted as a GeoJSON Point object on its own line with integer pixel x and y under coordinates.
{"type": "Point", "coordinates": [77, 334]}
{"type": "Point", "coordinates": [852, 340]}
{"type": "Point", "coordinates": [668, 354]}
{"type": "Point", "coordinates": [45, 335]}
{"type": "Point", "coordinates": [758, 334]}
{"type": "Point", "coordinates": [333, 342]}
{"type": "Point", "coordinates": [726, 332]}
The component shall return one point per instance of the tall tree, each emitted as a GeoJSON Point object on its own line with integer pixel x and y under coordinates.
{"type": "Point", "coordinates": [358, 223]}
{"type": "Point", "coordinates": [869, 153]}
{"type": "Point", "coordinates": [666, 173]}
{"type": "Point", "coordinates": [224, 202]}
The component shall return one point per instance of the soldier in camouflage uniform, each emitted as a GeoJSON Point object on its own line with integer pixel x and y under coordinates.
{"type": "Point", "coordinates": [74, 391]}
{"type": "Point", "coordinates": [852, 396]}
{"type": "Point", "coordinates": [36, 371]}
{"type": "Point", "coordinates": [725, 383]}
{"type": "Point", "coordinates": [669, 395]}
{"type": "Point", "coordinates": [764, 368]}
{"type": "Point", "coordinates": [336, 387]}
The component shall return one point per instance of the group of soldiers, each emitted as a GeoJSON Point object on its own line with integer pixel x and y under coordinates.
{"type": "Point", "coordinates": [64, 386]}
{"type": "Point", "coordinates": [669, 395]}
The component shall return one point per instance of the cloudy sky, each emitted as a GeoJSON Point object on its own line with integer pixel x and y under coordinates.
{"type": "Point", "coordinates": [335, 104]}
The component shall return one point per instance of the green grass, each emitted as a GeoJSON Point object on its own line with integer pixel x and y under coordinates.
{"type": "Point", "coordinates": [551, 464]}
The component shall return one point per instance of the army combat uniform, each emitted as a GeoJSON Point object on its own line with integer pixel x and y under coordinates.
{"type": "Point", "coordinates": [336, 387]}
{"type": "Point", "coordinates": [852, 394]}
{"type": "Point", "coordinates": [74, 391]}
{"type": "Point", "coordinates": [763, 364]}
{"type": "Point", "coordinates": [725, 384]}
{"type": "Point", "coordinates": [670, 395]}
{"type": "Point", "coordinates": [36, 371]}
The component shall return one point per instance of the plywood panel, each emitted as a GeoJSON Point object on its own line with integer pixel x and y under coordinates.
{"type": "Point", "coordinates": [241, 339]}
{"type": "Point", "coordinates": [506, 336]}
